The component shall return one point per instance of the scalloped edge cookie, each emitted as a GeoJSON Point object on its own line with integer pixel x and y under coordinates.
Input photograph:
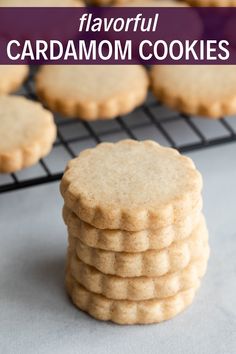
{"type": "Point", "coordinates": [128, 312]}
{"type": "Point", "coordinates": [125, 241]}
{"type": "Point", "coordinates": [201, 90]}
{"type": "Point", "coordinates": [127, 3]}
{"type": "Point", "coordinates": [135, 216]}
{"type": "Point", "coordinates": [106, 2]}
{"type": "Point", "coordinates": [29, 151]}
{"type": "Point", "coordinates": [149, 3]}
{"type": "Point", "coordinates": [137, 288]}
{"type": "Point", "coordinates": [42, 3]}
{"type": "Point", "coordinates": [150, 263]}
{"type": "Point", "coordinates": [216, 3]}
{"type": "Point", "coordinates": [12, 77]}
{"type": "Point", "coordinates": [80, 101]}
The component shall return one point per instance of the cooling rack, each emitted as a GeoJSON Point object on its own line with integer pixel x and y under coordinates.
{"type": "Point", "coordinates": [151, 121]}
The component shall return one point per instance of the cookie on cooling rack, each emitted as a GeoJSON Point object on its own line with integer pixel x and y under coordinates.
{"type": "Point", "coordinates": [218, 3]}
{"type": "Point", "coordinates": [40, 3]}
{"type": "Point", "coordinates": [27, 132]}
{"type": "Point", "coordinates": [92, 92]}
{"type": "Point", "coordinates": [138, 3]}
{"type": "Point", "coordinates": [106, 2]}
{"type": "Point", "coordinates": [12, 77]}
{"type": "Point", "coordinates": [151, 3]}
{"type": "Point", "coordinates": [205, 90]}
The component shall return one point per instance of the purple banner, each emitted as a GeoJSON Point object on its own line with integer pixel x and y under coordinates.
{"type": "Point", "coordinates": [118, 35]}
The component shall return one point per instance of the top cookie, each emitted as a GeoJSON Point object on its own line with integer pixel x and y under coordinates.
{"type": "Point", "coordinates": [207, 90]}
{"type": "Point", "coordinates": [12, 76]}
{"type": "Point", "coordinates": [131, 186]}
{"type": "Point", "coordinates": [92, 92]}
{"type": "Point", "coordinates": [218, 3]}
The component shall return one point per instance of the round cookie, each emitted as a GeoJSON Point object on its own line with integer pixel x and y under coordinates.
{"type": "Point", "coordinates": [106, 2]}
{"type": "Point", "coordinates": [206, 3]}
{"type": "Point", "coordinates": [137, 288]}
{"type": "Point", "coordinates": [131, 186]}
{"type": "Point", "coordinates": [12, 77]}
{"type": "Point", "coordinates": [151, 3]}
{"type": "Point", "coordinates": [206, 90]}
{"type": "Point", "coordinates": [92, 92]}
{"type": "Point", "coordinates": [128, 312]}
{"type": "Point", "coordinates": [151, 263]}
{"type": "Point", "coordinates": [137, 3]}
{"type": "Point", "coordinates": [40, 3]}
{"type": "Point", "coordinates": [125, 241]}
{"type": "Point", "coordinates": [27, 132]}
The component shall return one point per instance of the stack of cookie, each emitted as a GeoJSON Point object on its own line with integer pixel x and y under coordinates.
{"type": "Point", "coordinates": [138, 243]}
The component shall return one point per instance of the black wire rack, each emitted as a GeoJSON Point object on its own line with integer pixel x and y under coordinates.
{"type": "Point", "coordinates": [151, 121]}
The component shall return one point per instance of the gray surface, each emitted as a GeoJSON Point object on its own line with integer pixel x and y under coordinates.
{"type": "Point", "coordinates": [36, 316]}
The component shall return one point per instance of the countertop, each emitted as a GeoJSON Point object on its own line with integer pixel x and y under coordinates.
{"type": "Point", "coordinates": [37, 317]}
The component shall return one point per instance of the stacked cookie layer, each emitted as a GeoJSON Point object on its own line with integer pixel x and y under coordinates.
{"type": "Point", "coordinates": [138, 243]}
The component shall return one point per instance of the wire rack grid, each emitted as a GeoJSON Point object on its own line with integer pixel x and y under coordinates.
{"type": "Point", "coordinates": [151, 121]}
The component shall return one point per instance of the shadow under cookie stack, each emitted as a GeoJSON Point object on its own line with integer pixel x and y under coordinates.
{"type": "Point", "coordinates": [138, 242]}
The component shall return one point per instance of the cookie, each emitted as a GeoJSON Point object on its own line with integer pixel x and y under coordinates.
{"type": "Point", "coordinates": [205, 90]}
{"type": "Point", "coordinates": [137, 288]}
{"type": "Point", "coordinates": [219, 3]}
{"type": "Point", "coordinates": [27, 132]}
{"type": "Point", "coordinates": [126, 241]}
{"type": "Point", "coordinates": [128, 312]}
{"type": "Point", "coordinates": [92, 92]}
{"type": "Point", "coordinates": [151, 263]}
{"type": "Point", "coordinates": [40, 3]}
{"type": "Point", "coordinates": [131, 186]}
{"type": "Point", "coordinates": [105, 2]}
{"type": "Point", "coordinates": [138, 3]}
{"type": "Point", "coordinates": [151, 3]}
{"type": "Point", "coordinates": [12, 77]}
